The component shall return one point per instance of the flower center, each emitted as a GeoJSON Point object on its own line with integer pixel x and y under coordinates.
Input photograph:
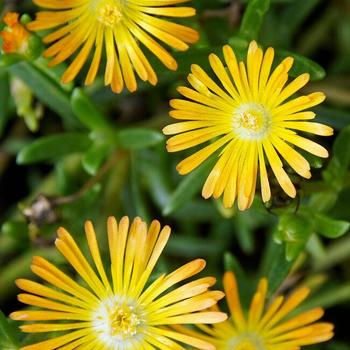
{"type": "Point", "coordinates": [124, 321]}
{"type": "Point", "coordinates": [245, 345]}
{"type": "Point", "coordinates": [246, 341]}
{"type": "Point", "coordinates": [117, 320]}
{"type": "Point", "coordinates": [109, 14]}
{"type": "Point", "coordinates": [251, 121]}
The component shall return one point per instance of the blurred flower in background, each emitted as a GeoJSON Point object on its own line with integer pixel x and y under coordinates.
{"type": "Point", "coordinates": [270, 328]}
{"type": "Point", "coordinates": [86, 26]}
{"type": "Point", "coordinates": [120, 309]}
{"type": "Point", "coordinates": [248, 120]}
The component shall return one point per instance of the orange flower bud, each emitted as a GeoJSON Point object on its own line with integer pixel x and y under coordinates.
{"type": "Point", "coordinates": [14, 35]}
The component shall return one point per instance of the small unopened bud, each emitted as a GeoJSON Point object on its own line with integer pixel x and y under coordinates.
{"type": "Point", "coordinates": [25, 104]}
{"type": "Point", "coordinates": [16, 39]}
{"type": "Point", "coordinates": [14, 35]}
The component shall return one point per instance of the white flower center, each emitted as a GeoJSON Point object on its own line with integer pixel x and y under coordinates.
{"type": "Point", "coordinates": [109, 14]}
{"type": "Point", "coordinates": [118, 321]}
{"type": "Point", "coordinates": [248, 341]}
{"type": "Point", "coordinates": [251, 121]}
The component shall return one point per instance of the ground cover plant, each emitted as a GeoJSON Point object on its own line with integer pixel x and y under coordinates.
{"type": "Point", "coordinates": [174, 174]}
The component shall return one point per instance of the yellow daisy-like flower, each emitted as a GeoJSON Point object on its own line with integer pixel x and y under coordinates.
{"type": "Point", "coordinates": [266, 327]}
{"type": "Point", "coordinates": [116, 26]}
{"type": "Point", "coordinates": [119, 310]}
{"type": "Point", "coordinates": [250, 119]}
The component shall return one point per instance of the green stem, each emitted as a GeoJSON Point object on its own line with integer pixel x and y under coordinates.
{"type": "Point", "coordinates": [335, 254]}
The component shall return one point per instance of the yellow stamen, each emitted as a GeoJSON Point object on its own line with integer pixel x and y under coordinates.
{"type": "Point", "coordinates": [117, 319]}
{"type": "Point", "coordinates": [109, 14]}
{"type": "Point", "coordinates": [251, 121]}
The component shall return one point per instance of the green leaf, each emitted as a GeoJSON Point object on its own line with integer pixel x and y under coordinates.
{"type": "Point", "coordinates": [231, 263]}
{"type": "Point", "coordinates": [9, 59]}
{"type": "Point", "coordinates": [277, 269]}
{"type": "Point", "coordinates": [4, 100]}
{"type": "Point", "coordinates": [336, 171]}
{"type": "Point", "coordinates": [191, 247]}
{"type": "Point", "coordinates": [329, 227]}
{"type": "Point", "coordinates": [188, 188]}
{"type": "Point", "coordinates": [323, 201]}
{"type": "Point", "coordinates": [295, 230]}
{"type": "Point", "coordinates": [87, 112]}
{"type": "Point", "coordinates": [138, 200]}
{"type": "Point", "coordinates": [8, 335]}
{"type": "Point", "coordinates": [55, 73]}
{"type": "Point", "coordinates": [94, 158]}
{"type": "Point", "coordinates": [338, 294]}
{"type": "Point", "coordinates": [253, 18]}
{"type": "Point", "coordinates": [288, 23]}
{"type": "Point", "coordinates": [334, 117]}
{"type": "Point", "coordinates": [154, 170]}
{"type": "Point", "coordinates": [240, 47]}
{"type": "Point", "coordinates": [294, 249]}
{"type": "Point", "coordinates": [53, 147]}
{"type": "Point", "coordinates": [16, 229]}
{"type": "Point", "coordinates": [302, 65]}
{"type": "Point", "coordinates": [138, 138]}
{"type": "Point", "coordinates": [46, 89]}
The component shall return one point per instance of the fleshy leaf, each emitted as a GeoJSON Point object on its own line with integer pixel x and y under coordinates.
{"type": "Point", "coordinates": [50, 148]}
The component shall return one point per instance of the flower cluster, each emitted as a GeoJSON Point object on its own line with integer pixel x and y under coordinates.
{"type": "Point", "coordinates": [247, 116]}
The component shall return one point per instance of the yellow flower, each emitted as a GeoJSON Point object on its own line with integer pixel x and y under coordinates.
{"type": "Point", "coordinates": [118, 309]}
{"type": "Point", "coordinates": [266, 327]}
{"type": "Point", "coordinates": [249, 119]}
{"type": "Point", "coordinates": [14, 35]}
{"type": "Point", "coordinates": [117, 27]}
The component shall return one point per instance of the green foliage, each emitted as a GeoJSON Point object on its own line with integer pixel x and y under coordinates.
{"type": "Point", "coordinates": [87, 112]}
{"type": "Point", "coordinates": [95, 154]}
{"type": "Point", "coordinates": [253, 18]}
{"type": "Point", "coordinates": [4, 100]}
{"type": "Point", "coordinates": [137, 138]}
{"type": "Point", "coordinates": [188, 188]}
{"type": "Point", "coordinates": [302, 65]}
{"type": "Point", "coordinates": [8, 334]}
{"type": "Point", "coordinates": [337, 169]}
{"type": "Point", "coordinates": [53, 147]}
{"type": "Point", "coordinates": [44, 88]}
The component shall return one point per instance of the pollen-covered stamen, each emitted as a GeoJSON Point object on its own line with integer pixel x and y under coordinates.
{"type": "Point", "coordinates": [109, 14]}
{"type": "Point", "coordinates": [124, 321]}
{"type": "Point", "coordinates": [251, 121]}
{"type": "Point", "coordinates": [117, 320]}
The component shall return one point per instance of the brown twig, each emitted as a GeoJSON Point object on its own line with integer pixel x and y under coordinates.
{"type": "Point", "coordinates": [90, 183]}
{"type": "Point", "coordinates": [232, 13]}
